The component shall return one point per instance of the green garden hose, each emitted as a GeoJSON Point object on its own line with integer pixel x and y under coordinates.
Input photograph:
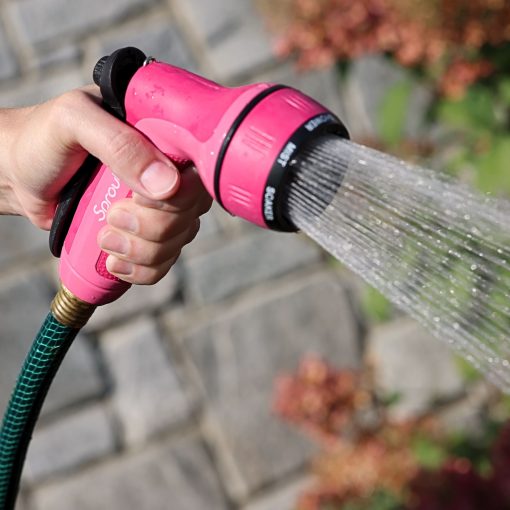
{"type": "Point", "coordinates": [68, 315]}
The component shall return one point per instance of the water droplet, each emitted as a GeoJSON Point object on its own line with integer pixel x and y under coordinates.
{"type": "Point", "coordinates": [474, 267]}
{"type": "Point", "coordinates": [362, 162]}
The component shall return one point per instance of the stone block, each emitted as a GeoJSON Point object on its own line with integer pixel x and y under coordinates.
{"type": "Point", "coordinates": [210, 19]}
{"type": "Point", "coordinates": [64, 54]}
{"type": "Point", "coordinates": [244, 262]}
{"type": "Point", "coordinates": [166, 475]}
{"type": "Point", "coordinates": [237, 358]}
{"type": "Point", "coordinates": [24, 303]}
{"type": "Point", "coordinates": [212, 226]}
{"type": "Point", "coordinates": [363, 100]}
{"type": "Point", "coordinates": [414, 366]}
{"type": "Point", "coordinates": [40, 21]}
{"type": "Point", "coordinates": [20, 239]}
{"type": "Point", "coordinates": [147, 395]}
{"type": "Point", "coordinates": [8, 63]}
{"type": "Point", "coordinates": [323, 85]}
{"type": "Point", "coordinates": [161, 39]}
{"type": "Point", "coordinates": [238, 54]}
{"type": "Point", "coordinates": [69, 443]}
{"type": "Point", "coordinates": [35, 91]}
{"type": "Point", "coordinates": [469, 415]}
{"type": "Point", "coordinates": [282, 498]}
{"type": "Point", "coordinates": [232, 34]}
{"type": "Point", "coordinates": [22, 502]}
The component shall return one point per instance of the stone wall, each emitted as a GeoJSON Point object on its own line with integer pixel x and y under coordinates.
{"type": "Point", "coordinates": [164, 401]}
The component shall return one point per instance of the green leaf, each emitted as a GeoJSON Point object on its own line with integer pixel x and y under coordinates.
{"type": "Point", "coordinates": [380, 500]}
{"type": "Point", "coordinates": [467, 371]}
{"type": "Point", "coordinates": [390, 399]}
{"type": "Point", "coordinates": [392, 113]}
{"type": "Point", "coordinates": [492, 167]}
{"type": "Point", "coordinates": [504, 91]}
{"type": "Point", "coordinates": [428, 453]}
{"type": "Point", "coordinates": [474, 114]}
{"type": "Point", "coordinates": [375, 305]}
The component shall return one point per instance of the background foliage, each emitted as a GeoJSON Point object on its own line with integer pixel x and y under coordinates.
{"type": "Point", "coordinates": [461, 52]}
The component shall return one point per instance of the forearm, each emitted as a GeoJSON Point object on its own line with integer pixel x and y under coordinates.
{"type": "Point", "coordinates": [10, 123]}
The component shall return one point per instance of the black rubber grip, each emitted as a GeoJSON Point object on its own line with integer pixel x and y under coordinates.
{"type": "Point", "coordinates": [69, 200]}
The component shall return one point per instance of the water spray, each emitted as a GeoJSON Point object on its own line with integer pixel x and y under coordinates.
{"type": "Point", "coordinates": [277, 158]}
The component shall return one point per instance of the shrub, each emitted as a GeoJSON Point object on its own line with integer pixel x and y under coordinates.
{"type": "Point", "coordinates": [448, 40]}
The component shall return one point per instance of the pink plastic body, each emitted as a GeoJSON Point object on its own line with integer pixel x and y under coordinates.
{"type": "Point", "coordinates": [188, 118]}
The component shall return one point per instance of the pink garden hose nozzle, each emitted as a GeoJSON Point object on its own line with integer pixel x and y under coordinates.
{"type": "Point", "coordinates": [242, 141]}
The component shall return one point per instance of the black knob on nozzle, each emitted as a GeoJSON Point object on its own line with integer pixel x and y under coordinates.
{"type": "Point", "coordinates": [98, 70]}
{"type": "Point", "coordinates": [113, 73]}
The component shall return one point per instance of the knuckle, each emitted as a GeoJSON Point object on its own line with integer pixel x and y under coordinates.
{"type": "Point", "coordinates": [160, 232]}
{"type": "Point", "coordinates": [193, 231]}
{"type": "Point", "coordinates": [144, 253]}
{"type": "Point", "coordinates": [147, 275]}
{"type": "Point", "coordinates": [205, 204]}
{"type": "Point", "coordinates": [66, 105]}
{"type": "Point", "coordinates": [149, 254]}
{"type": "Point", "coordinates": [125, 146]}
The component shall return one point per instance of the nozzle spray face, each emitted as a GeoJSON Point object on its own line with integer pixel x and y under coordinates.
{"type": "Point", "coordinates": [314, 172]}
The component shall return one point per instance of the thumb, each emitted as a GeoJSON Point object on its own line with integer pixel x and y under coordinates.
{"type": "Point", "coordinates": [128, 153]}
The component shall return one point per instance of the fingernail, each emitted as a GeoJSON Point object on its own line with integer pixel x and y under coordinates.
{"type": "Point", "coordinates": [118, 266]}
{"type": "Point", "coordinates": [113, 242]}
{"type": "Point", "coordinates": [123, 220]}
{"type": "Point", "coordinates": [159, 178]}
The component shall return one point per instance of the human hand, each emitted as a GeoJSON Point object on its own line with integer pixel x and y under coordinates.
{"type": "Point", "coordinates": [42, 146]}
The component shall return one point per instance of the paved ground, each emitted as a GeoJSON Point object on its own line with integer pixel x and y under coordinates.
{"type": "Point", "coordinates": [164, 400]}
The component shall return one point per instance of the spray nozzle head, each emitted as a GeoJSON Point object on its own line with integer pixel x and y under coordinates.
{"type": "Point", "coordinates": [295, 159]}
{"type": "Point", "coordinates": [264, 153]}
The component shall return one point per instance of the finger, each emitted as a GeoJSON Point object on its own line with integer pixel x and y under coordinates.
{"type": "Point", "coordinates": [128, 153]}
{"type": "Point", "coordinates": [138, 274]}
{"type": "Point", "coordinates": [147, 223]}
{"type": "Point", "coordinates": [139, 251]}
{"type": "Point", "coordinates": [191, 192]}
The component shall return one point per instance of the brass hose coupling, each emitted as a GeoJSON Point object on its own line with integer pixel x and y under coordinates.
{"type": "Point", "coordinates": [69, 310]}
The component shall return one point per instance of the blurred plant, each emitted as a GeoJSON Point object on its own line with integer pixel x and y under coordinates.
{"type": "Point", "coordinates": [446, 39]}
{"type": "Point", "coordinates": [463, 50]}
{"type": "Point", "coordinates": [369, 463]}
{"type": "Point", "coordinates": [479, 134]}
{"type": "Point", "coordinates": [364, 456]}
{"type": "Point", "coordinates": [375, 305]}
